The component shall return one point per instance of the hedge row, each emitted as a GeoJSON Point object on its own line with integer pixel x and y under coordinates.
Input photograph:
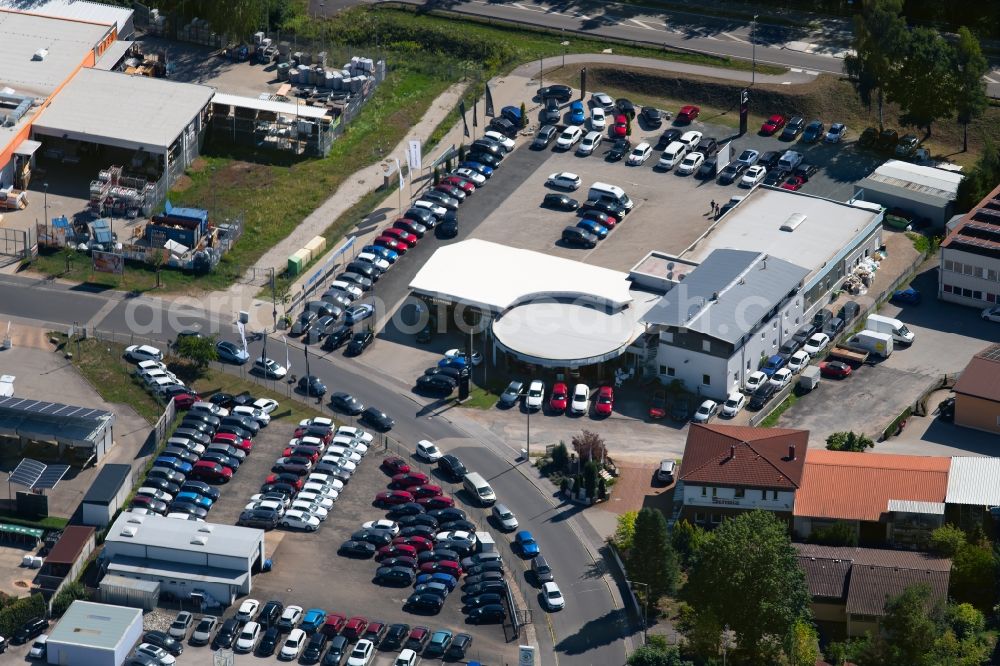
{"type": "Point", "coordinates": [19, 612]}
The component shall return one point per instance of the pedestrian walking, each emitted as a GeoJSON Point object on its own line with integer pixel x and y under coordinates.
{"type": "Point", "coordinates": [718, 209]}
{"type": "Point", "coordinates": [712, 207]}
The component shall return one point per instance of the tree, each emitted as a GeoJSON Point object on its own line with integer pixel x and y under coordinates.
{"type": "Point", "coordinates": [947, 540]}
{"type": "Point", "coordinates": [156, 258]}
{"type": "Point", "coordinates": [652, 560]}
{"type": "Point", "coordinates": [656, 655]}
{"type": "Point", "coordinates": [70, 593]}
{"type": "Point", "coordinates": [437, 175]}
{"type": "Point", "coordinates": [924, 84]}
{"type": "Point", "coordinates": [560, 457]}
{"type": "Point", "coordinates": [524, 116]}
{"type": "Point", "coordinates": [749, 558]}
{"type": "Point", "coordinates": [196, 348]}
{"type": "Point", "coordinates": [461, 153]}
{"type": "Point", "coordinates": [590, 479]}
{"type": "Point", "coordinates": [879, 35]}
{"type": "Point", "coordinates": [848, 441]}
{"type": "Point", "coordinates": [625, 531]}
{"type": "Point", "coordinates": [969, 88]}
{"type": "Point", "coordinates": [980, 180]}
{"type": "Point", "coordinates": [686, 539]}
{"type": "Point", "coordinates": [973, 575]}
{"type": "Point", "coordinates": [589, 446]}
{"type": "Point", "coordinates": [628, 126]}
{"type": "Point", "coordinates": [804, 646]}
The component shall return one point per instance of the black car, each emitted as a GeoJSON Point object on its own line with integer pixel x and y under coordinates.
{"type": "Point", "coordinates": [440, 198]}
{"type": "Point", "coordinates": [887, 140]}
{"type": "Point", "coordinates": [227, 634]}
{"type": "Point", "coordinates": [769, 159]}
{"type": "Point", "coordinates": [488, 587]}
{"type": "Point", "coordinates": [162, 639]}
{"type": "Point", "coordinates": [322, 308]}
{"type": "Point", "coordinates": [775, 176]}
{"type": "Point", "coordinates": [234, 430]}
{"type": "Point", "coordinates": [424, 603]}
{"type": "Point", "coordinates": [358, 280]}
{"type": "Point", "coordinates": [488, 147]}
{"type": "Point", "coordinates": [577, 237]}
{"type": "Point", "coordinates": [394, 636]}
{"type": "Point", "coordinates": [411, 226]}
{"type": "Point", "coordinates": [163, 484]}
{"type": "Point", "coordinates": [761, 395]}
{"type": "Point", "coordinates": [805, 170]}
{"type": "Point", "coordinates": [560, 202]}
{"type": "Point", "coordinates": [707, 169]}
{"type": "Point", "coordinates": [550, 115]}
{"type": "Point", "coordinates": [194, 421]}
{"type": "Point", "coordinates": [448, 228]}
{"type": "Point", "coordinates": [731, 172]}
{"type": "Point", "coordinates": [286, 489]}
{"type": "Point", "coordinates": [270, 613]}
{"type": "Point", "coordinates": [668, 137]}
{"type": "Point", "coordinates": [395, 576]}
{"type": "Point", "coordinates": [222, 399]}
{"type": "Point", "coordinates": [789, 347]}
{"type": "Point", "coordinates": [814, 132]}
{"type": "Point", "coordinates": [336, 337]}
{"type": "Point", "coordinates": [833, 327]}
{"type": "Point", "coordinates": [487, 614]}
{"type": "Point", "coordinates": [481, 156]}
{"type": "Point", "coordinates": [264, 519]}
{"type": "Point", "coordinates": [339, 645]}
{"type": "Point", "coordinates": [222, 459]}
{"type": "Point", "coordinates": [470, 581]}
{"type": "Point", "coordinates": [346, 403]}
{"type": "Point", "coordinates": [907, 145]}
{"type": "Point", "coordinates": [849, 311]}
{"type": "Point", "coordinates": [618, 150]}
{"type": "Point", "coordinates": [189, 508]}
{"type": "Point", "coordinates": [303, 323]}
{"type": "Point", "coordinates": [545, 135]}
{"type": "Point", "coordinates": [625, 106]}
{"type": "Point", "coordinates": [436, 383]}
{"type": "Point", "coordinates": [652, 116]}
{"type": "Point", "coordinates": [373, 536]}
{"type": "Point", "coordinates": [312, 385]}
{"type": "Point", "coordinates": [680, 410]}
{"type": "Point", "coordinates": [606, 206]}
{"type": "Point", "coordinates": [360, 342]}
{"type": "Point", "coordinates": [449, 514]}
{"type": "Point", "coordinates": [323, 326]}
{"type": "Point", "coordinates": [504, 126]}
{"type": "Point", "coordinates": [460, 644]}
{"type": "Point", "coordinates": [821, 317]}
{"type": "Point", "coordinates": [482, 600]}
{"type": "Point", "coordinates": [356, 549]}
{"type": "Point", "coordinates": [559, 92]}
{"type": "Point", "coordinates": [707, 147]}
{"type": "Point", "coordinates": [868, 137]}
{"type": "Point", "coordinates": [408, 509]}
{"type": "Point", "coordinates": [377, 419]}
{"type": "Point", "coordinates": [268, 641]}
{"type": "Point", "coordinates": [245, 422]}
{"type": "Point", "coordinates": [313, 649]}
{"type": "Point", "coordinates": [418, 530]}
{"type": "Point", "coordinates": [452, 467]}
{"type": "Point", "coordinates": [793, 128]}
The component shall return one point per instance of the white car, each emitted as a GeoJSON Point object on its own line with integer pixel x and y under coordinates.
{"type": "Point", "coordinates": [672, 156]}
{"type": "Point", "coordinates": [753, 175]}
{"type": "Point", "coordinates": [389, 526]}
{"type": "Point", "coordinates": [362, 654]}
{"type": "Point", "coordinates": [310, 508]}
{"type": "Point", "coordinates": [569, 137]}
{"type": "Point", "coordinates": [151, 365]}
{"type": "Point", "coordinates": [136, 353]}
{"type": "Point", "coordinates": [639, 154]}
{"type": "Point", "coordinates": [146, 649]}
{"type": "Point", "coordinates": [469, 174]}
{"type": "Point", "coordinates": [316, 421]}
{"type": "Point", "coordinates": [477, 358]}
{"type": "Point", "coordinates": [564, 180]}
{"type": "Point", "coordinates": [266, 405]}
{"type": "Point", "coordinates": [781, 377]}
{"type": "Point", "coordinates": [335, 463]}
{"type": "Point", "coordinates": [691, 138]}
{"type": "Point", "coordinates": [156, 494]}
{"type": "Point", "coordinates": [252, 413]}
{"type": "Point", "coordinates": [180, 626]}
{"type": "Point", "coordinates": [247, 640]}
{"type": "Point", "coordinates": [248, 610]}
{"type": "Point", "coordinates": [325, 480]}
{"type": "Point", "coordinates": [282, 499]}
{"type": "Point", "coordinates": [835, 133]}
{"type": "Point", "coordinates": [297, 519]}
{"type": "Point", "coordinates": [733, 404]}
{"type": "Point", "coordinates": [270, 504]}
{"type": "Point", "coordinates": [293, 645]}
{"type": "Point", "coordinates": [992, 314]}
{"type": "Point", "coordinates": [505, 517]}
{"type": "Point", "coordinates": [797, 361]}
{"type": "Point", "coordinates": [315, 499]}
{"type": "Point", "coordinates": [375, 260]}
{"type": "Point", "coordinates": [706, 411]}
{"type": "Point", "coordinates": [406, 658]}
{"type": "Point", "coordinates": [460, 535]}
{"type": "Point", "coordinates": [353, 291]}
{"type": "Point", "coordinates": [427, 451]}
{"type": "Point", "coordinates": [553, 597]}
{"type": "Point", "coordinates": [690, 163]}
{"type": "Point", "coordinates": [355, 445]}
{"type": "Point", "coordinates": [536, 394]}
{"type": "Point", "coordinates": [505, 141]}
{"type": "Point", "coordinates": [754, 380]}
{"type": "Point", "coordinates": [598, 120]}
{"type": "Point", "coordinates": [816, 343]}
{"type": "Point", "coordinates": [589, 143]}
{"type": "Point", "coordinates": [357, 433]}
{"type": "Point", "coordinates": [343, 453]}
{"type": "Point", "coordinates": [438, 210]}
{"type": "Point", "coordinates": [581, 399]}
{"type": "Point", "coordinates": [325, 491]}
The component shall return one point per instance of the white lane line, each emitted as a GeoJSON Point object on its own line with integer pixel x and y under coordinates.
{"type": "Point", "coordinates": [794, 69]}
{"type": "Point", "coordinates": [735, 38]}
{"type": "Point", "coordinates": [641, 24]}
{"type": "Point", "coordinates": [812, 72]}
{"type": "Point", "coordinates": [991, 80]}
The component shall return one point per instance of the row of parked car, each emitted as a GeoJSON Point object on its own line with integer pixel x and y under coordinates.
{"type": "Point", "coordinates": [560, 399]}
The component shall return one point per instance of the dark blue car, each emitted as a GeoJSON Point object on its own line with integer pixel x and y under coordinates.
{"type": "Point", "coordinates": [389, 255]}
{"type": "Point", "coordinates": [513, 114]}
{"type": "Point", "coordinates": [447, 580]}
{"type": "Point", "coordinates": [909, 296]}
{"type": "Point", "coordinates": [594, 227]}
{"type": "Point", "coordinates": [175, 464]}
{"type": "Point", "coordinates": [774, 364]}
{"type": "Point", "coordinates": [478, 167]}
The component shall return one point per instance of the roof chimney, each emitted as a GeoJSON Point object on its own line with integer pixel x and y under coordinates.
{"type": "Point", "coordinates": [791, 452]}
{"type": "Point", "coordinates": [732, 452]}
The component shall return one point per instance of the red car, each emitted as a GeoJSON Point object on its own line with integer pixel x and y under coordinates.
{"type": "Point", "coordinates": [185, 400]}
{"type": "Point", "coordinates": [687, 113]}
{"type": "Point", "coordinates": [233, 440]}
{"type": "Point", "coordinates": [310, 452]}
{"type": "Point", "coordinates": [304, 432]}
{"type": "Point", "coordinates": [439, 502]}
{"type": "Point", "coordinates": [391, 243]}
{"type": "Point", "coordinates": [402, 236]}
{"type": "Point", "coordinates": [422, 544]}
{"type": "Point", "coordinates": [620, 129]}
{"type": "Point", "coordinates": [395, 465]}
{"type": "Point", "coordinates": [205, 470]}
{"type": "Point", "coordinates": [835, 369]}
{"type": "Point", "coordinates": [456, 181]}
{"type": "Point", "coordinates": [559, 398]}
{"type": "Point", "coordinates": [395, 550]}
{"type": "Point", "coordinates": [409, 479]}
{"type": "Point", "coordinates": [334, 624]}
{"type": "Point", "coordinates": [773, 124]}
{"type": "Point", "coordinates": [444, 566]}
{"type": "Point", "coordinates": [355, 627]}
{"type": "Point", "coordinates": [286, 477]}
{"type": "Point", "coordinates": [392, 498]}
{"type": "Point", "coordinates": [794, 183]}
{"type": "Point", "coordinates": [425, 491]}
{"type": "Point", "coordinates": [605, 401]}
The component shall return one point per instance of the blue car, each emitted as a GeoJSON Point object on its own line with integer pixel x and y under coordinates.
{"type": "Point", "coordinates": [481, 169]}
{"type": "Point", "coordinates": [594, 227]}
{"type": "Point", "coordinates": [447, 580]}
{"type": "Point", "coordinates": [175, 464]}
{"type": "Point", "coordinates": [909, 296]}
{"type": "Point", "coordinates": [576, 115]}
{"type": "Point", "coordinates": [389, 255]}
{"type": "Point", "coordinates": [526, 544]}
{"type": "Point", "coordinates": [201, 488]}
{"type": "Point", "coordinates": [458, 362]}
{"type": "Point", "coordinates": [231, 353]}
{"type": "Point", "coordinates": [194, 498]}
{"type": "Point", "coordinates": [513, 114]}
{"type": "Point", "coordinates": [312, 620]}
{"type": "Point", "coordinates": [773, 364]}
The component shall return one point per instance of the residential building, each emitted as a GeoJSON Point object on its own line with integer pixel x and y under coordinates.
{"type": "Point", "coordinates": [850, 586]}
{"type": "Point", "coordinates": [977, 392]}
{"type": "Point", "coordinates": [970, 257]}
{"type": "Point", "coordinates": [727, 470]}
{"type": "Point", "coordinates": [94, 634]}
{"type": "Point", "coordinates": [925, 191]}
{"type": "Point", "coordinates": [885, 498]}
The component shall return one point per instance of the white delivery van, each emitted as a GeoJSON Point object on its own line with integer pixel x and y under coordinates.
{"type": "Point", "coordinates": [673, 155]}
{"type": "Point", "coordinates": [480, 490]}
{"type": "Point", "coordinates": [613, 192]}
{"type": "Point", "coordinates": [893, 327]}
{"type": "Point", "coordinates": [873, 342]}
{"type": "Point", "coordinates": [790, 160]}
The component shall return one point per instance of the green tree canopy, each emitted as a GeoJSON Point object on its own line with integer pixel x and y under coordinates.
{"type": "Point", "coordinates": [879, 36]}
{"type": "Point", "coordinates": [652, 560]}
{"type": "Point", "coordinates": [657, 655]}
{"type": "Point", "coordinates": [969, 86]}
{"type": "Point", "coordinates": [747, 576]}
{"type": "Point", "coordinates": [625, 532]}
{"type": "Point", "coordinates": [849, 441]}
{"type": "Point", "coordinates": [923, 85]}
{"type": "Point", "coordinates": [980, 180]}
{"type": "Point", "coordinates": [198, 349]}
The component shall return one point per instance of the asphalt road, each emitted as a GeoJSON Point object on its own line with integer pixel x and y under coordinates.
{"type": "Point", "coordinates": [588, 632]}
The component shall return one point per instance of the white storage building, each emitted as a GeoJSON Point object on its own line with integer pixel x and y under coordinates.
{"type": "Point", "coordinates": [925, 191]}
{"type": "Point", "coordinates": [94, 634]}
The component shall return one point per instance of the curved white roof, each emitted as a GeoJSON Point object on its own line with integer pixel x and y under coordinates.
{"type": "Point", "coordinates": [495, 277]}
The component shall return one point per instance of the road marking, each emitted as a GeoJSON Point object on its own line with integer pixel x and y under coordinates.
{"type": "Point", "coordinates": [794, 69]}
{"type": "Point", "coordinates": [812, 72]}
{"type": "Point", "coordinates": [641, 24]}
{"type": "Point", "coordinates": [991, 80]}
{"type": "Point", "coordinates": [735, 38]}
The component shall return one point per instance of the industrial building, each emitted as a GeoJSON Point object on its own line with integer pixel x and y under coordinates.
{"type": "Point", "coordinates": [925, 191]}
{"type": "Point", "coordinates": [205, 562]}
{"type": "Point", "coordinates": [107, 494]}
{"type": "Point", "coordinates": [66, 560]}
{"type": "Point", "coordinates": [94, 634]}
{"type": "Point", "coordinates": [970, 257]}
{"type": "Point", "coordinates": [86, 434]}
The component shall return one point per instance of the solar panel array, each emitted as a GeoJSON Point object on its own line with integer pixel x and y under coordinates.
{"type": "Point", "coordinates": [37, 475]}
{"type": "Point", "coordinates": [53, 409]}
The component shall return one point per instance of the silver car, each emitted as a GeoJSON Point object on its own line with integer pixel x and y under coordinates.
{"type": "Point", "coordinates": [504, 517]}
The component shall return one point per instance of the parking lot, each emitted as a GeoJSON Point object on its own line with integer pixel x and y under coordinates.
{"type": "Point", "coordinates": [309, 573]}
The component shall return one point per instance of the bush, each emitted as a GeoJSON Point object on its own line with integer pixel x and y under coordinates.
{"type": "Point", "coordinates": [625, 532]}
{"type": "Point", "coordinates": [947, 540]}
{"type": "Point", "coordinates": [67, 596]}
{"type": "Point", "coordinates": [560, 457]}
{"type": "Point", "coordinates": [19, 612]}
{"type": "Point", "coordinates": [838, 534]}
{"type": "Point", "coordinates": [848, 441]}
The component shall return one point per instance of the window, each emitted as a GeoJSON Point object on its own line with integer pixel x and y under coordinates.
{"type": "Point", "coordinates": [706, 380]}
{"type": "Point", "coordinates": [949, 265]}
{"type": "Point", "coordinates": [671, 372]}
{"type": "Point", "coordinates": [699, 518]}
{"type": "Point", "coordinates": [704, 491]}
{"type": "Point", "coordinates": [663, 369]}
{"type": "Point", "coordinates": [716, 518]}
{"type": "Point", "coordinates": [978, 271]}
{"type": "Point", "coordinates": [991, 298]}
{"type": "Point", "coordinates": [667, 336]}
{"type": "Point", "coordinates": [991, 275]}
{"type": "Point", "coordinates": [967, 269]}
{"type": "Point", "coordinates": [740, 493]}
{"type": "Point", "coordinates": [706, 346]}
{"type": "Point", "coordinates": [774, 494]}
{"type": "Point", "coordinates": [978, 295]}
{"type": "Point", "coordinates": [715, 492]}
{"type": "Point", "coordinates": [947, 289]}
{"type": "Point", "coordinates": [966, 292]}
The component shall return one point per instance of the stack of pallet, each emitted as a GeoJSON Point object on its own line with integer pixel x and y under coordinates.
{"type": "Point", "coordinates": [11, 199]}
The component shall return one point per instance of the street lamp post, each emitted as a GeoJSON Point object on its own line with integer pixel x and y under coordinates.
{"type": "Point", "coordinates": [45, 185]}
{"type": "Point", "coordinates": [753, 40]}
{"type": "Point", "coordinates": [645, 607]}
{"type": "Point", "coordinates": [527, 437]}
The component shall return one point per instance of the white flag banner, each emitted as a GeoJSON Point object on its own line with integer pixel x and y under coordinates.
{"type": "Point", "coordinates": [241, 327]}
{"type": "Point", "coordinates": [288, 360]}
{"type": "Point", "coordinates": [399, 170]}
{"type": "Point", "coordinates": [413, 155]}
